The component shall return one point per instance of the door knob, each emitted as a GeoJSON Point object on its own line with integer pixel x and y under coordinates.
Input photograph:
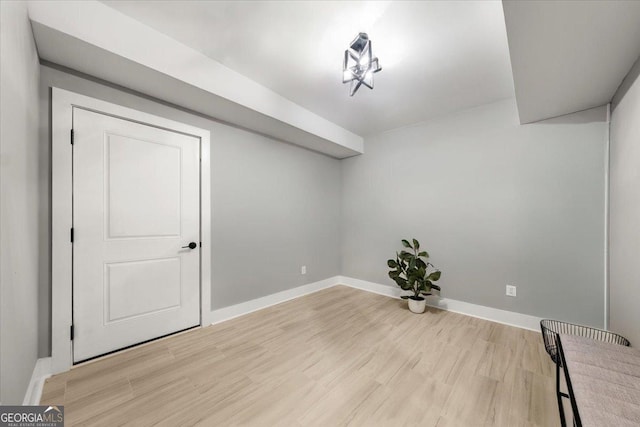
{"type": "Point", "coordinates": [191, 245]}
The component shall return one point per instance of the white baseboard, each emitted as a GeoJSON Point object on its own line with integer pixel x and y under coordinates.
{"type": "Point", "coordinates": [364, 285]}
{"type": "Point", "coordinates": [233, 311]}
{"type": "Point", "coordinates": [510, 318]}
{"type": "Point", "coordinates": [41, 371]}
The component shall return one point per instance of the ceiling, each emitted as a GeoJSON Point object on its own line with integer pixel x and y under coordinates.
{"type": "Point", "coordinates": [437, 57]}
{"type": "Point", "coordinates": [568, 56]}
{"type": "Point", "coordinates": [89, 38]}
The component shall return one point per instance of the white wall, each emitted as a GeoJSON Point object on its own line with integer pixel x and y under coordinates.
{"type": "Point", "coordinates": [275, 206]}
{"type": "Point", "coordinates": [624, 209]}
{"type": "Point", "coordinates": [494, 202]}
{"type": "Point", "coordinates": [19, 202]}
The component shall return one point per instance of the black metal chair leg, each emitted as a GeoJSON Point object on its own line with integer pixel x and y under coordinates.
{"type": "Point", "coordinates": [559, 394]}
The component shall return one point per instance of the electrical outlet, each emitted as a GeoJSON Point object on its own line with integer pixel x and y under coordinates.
{"type": "Point", "coordinates": [511, 290]}
{"type": "Point", "coordinates": [303, 269]}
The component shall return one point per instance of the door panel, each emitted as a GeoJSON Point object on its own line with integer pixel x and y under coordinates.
{"type": "Point", "coordinates": [135, 205]}
{"type": "Point", "coordinates": [157, 279]}
{"type": "Point", "coordinates": [135, 169]}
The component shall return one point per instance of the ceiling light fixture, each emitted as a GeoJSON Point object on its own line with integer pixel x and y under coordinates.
{"type": "Point", "coordinates": [359, 64]}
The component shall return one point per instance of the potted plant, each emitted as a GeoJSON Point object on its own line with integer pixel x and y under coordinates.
{"type": "Point", "coordinates": [410, 271]}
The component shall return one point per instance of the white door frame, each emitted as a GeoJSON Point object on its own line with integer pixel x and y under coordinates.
{"type": "Point", "coordinates": [62, 104]}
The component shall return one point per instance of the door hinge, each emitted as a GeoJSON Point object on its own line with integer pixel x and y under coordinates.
{"type": "Point", "coordinates": [71, 136]}
{"type": "Point", "coordinates": [71, 234]}
{"type": "Point", "coordinates": [71, 332]}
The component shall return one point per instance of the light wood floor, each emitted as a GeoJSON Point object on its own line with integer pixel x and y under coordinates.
{"type": "Point", "coordinates": [340, 356]}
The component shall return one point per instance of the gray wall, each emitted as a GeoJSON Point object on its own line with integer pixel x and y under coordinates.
{"type": "Point", "coordinates": [19, 202]}
{"type": "Point", "coordinates": [494, 203]}
{"type": "Point", "coordinates": [624, 213]}
{"type": "Point", "coordinates": [275, 206]}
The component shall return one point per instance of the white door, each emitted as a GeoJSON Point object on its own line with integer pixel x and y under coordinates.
{"type": "Point", "coordinates": [136, 204]}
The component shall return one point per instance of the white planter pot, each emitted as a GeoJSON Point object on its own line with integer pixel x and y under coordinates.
{"type": "Point", "coordinates": [417, 306]}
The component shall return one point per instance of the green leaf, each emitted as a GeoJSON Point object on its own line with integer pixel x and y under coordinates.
{"type": "Point", "coordinates": [416, 244]}
{"type": "Point", "coordinates": [401, 282]}
{"type": "Point", "coordinates": [404, 296]}
{"type": "Point", "coordinates": [412, 263]}
{"type": "Point", "coordinates": [435, 276]}
{"type": "Point", "coordinates": [392, 264]}
{"type": "Point", "coordinates": [424, 254]}
{"type": "Point", "coordinates": [406, 244]}
{"type": "Point", "coordinates": [435, 287]}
